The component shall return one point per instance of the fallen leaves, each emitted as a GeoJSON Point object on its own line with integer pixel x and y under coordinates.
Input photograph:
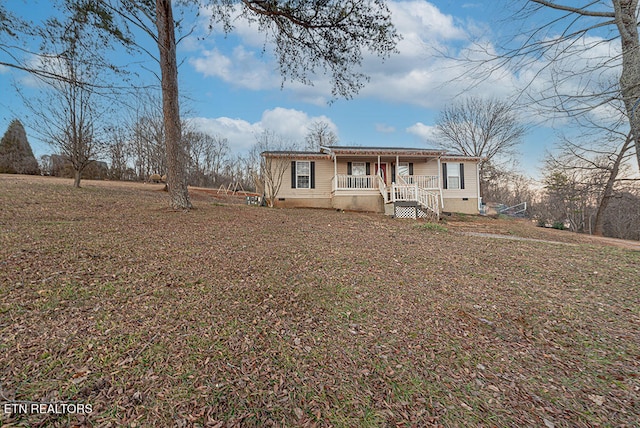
{"type": "Point", "coordinates": [241, 316]}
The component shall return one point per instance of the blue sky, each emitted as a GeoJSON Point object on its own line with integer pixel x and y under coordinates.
{"type": "Point", "coordinates": [234, 89]}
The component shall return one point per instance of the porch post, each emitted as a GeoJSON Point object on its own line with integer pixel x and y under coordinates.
{"type": "Point", "coordinates": [379, 166]}
{"type": "Point", "coordinates": [478, 181]}
{"type": "Point", "coordinates": [440, 184]}
{"type": "Point", "coordinates": [397, 162]}
{"type": "Point", "coordinates": [335, 172]}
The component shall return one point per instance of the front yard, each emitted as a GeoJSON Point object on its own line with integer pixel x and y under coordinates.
{"type": "Point", "coordinates": [233, 315]}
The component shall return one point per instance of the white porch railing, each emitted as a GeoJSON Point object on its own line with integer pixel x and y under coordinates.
{"type": "Point", "coordinates": [412, 192]}
{"type": "Point", "coordinates": [382, 186]}
{"type": "Point", "coordinates": [423, 181]}
{"type": "Point", "coordinates": [356, 182]}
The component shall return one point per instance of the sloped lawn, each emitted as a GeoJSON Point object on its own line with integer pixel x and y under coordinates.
{"type": "Point", "coordinates": [231, 315]}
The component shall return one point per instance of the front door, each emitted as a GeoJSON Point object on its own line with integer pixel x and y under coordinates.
{"type": "Point", "coordinates": [383, 169]}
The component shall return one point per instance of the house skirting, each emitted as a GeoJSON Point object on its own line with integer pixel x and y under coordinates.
{"type": "Point", "coordinates": [370, 203]}
{"type": "Point", "coordinates": [460, 205]}
{"type": "Point", "coordinates": [303, 203]}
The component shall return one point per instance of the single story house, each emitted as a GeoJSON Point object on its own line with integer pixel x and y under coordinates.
{"type": "Point", "coordinates": [406, 182]}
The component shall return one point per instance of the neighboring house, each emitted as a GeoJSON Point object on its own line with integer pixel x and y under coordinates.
{"type": "Point", "coordinates": [406, 182]}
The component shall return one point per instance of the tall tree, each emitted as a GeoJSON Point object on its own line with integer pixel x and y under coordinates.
{"type": "Point", "coordinates": [486, 128]}
{"type": "Point", "coordinates": [320, 135]}
{"type": "Point", "coordinates": [567, 40]}
{"type": "Point", "coordinates": [307, 35]}
{"type": "Point", "coordinates": [596, 167]}
{"type": "Point", "coordinates": [67, 114]}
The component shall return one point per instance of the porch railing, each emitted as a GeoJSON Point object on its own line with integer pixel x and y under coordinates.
{"type": "Point", "coordinates": [412, 192]}
{"type": "Point", "coordinates": [423, 181]}
{"type": "Point", "coordinates": [382, 186]}
{"type": "Point", "coordinates": [356, 182]}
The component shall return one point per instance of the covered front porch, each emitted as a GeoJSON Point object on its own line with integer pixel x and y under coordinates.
{"type": "Point", "coordinates": [390, 174]}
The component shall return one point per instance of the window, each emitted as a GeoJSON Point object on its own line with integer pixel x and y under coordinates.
{"type": "Point", "coordinates": [453, 175]}
{"type": "Point", "coordinates": [358, 168]}
{"type": "Point", "coordinates": [403, 169]}
{"type": "Point", "coordinates": [303, 175]}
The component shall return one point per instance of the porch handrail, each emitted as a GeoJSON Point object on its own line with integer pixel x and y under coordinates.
{"type": "Point", "coordinates": [382, 186]}
{"type": "Point", "coordinates": [345, 181]}
{"type": "Point", "coordinates": [412, 192]}
{"type": "Point", "coordinates": [423, 181]}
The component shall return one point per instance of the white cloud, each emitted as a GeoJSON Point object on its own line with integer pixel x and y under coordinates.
{"type": "Point", "coordinates": [408, 77]}
{"type": "Point", "coordinates": [426, 133]}
{"type": "Point", "coordinates": [242, 68]}
{"type": "Point", "coordinates": [418, 75]}
{"type": "Point", "coordinates": [292, 125]}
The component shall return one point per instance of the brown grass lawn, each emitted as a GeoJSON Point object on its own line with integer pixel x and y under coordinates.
{"type": "Point", "coordinates": [231, 315]}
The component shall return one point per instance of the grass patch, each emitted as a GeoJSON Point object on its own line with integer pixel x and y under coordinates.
{"type": "Point", "coordinates": [433, 226]}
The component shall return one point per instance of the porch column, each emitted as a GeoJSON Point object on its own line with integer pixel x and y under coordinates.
{"type": "Point", "coordinates": [440, 184]}
{"type": "Point", "coordinates": [478, 181]}
{"type": "Point", "coordinates": [335, 172]}
{"type": "Point", "coordinates": [397, 162]}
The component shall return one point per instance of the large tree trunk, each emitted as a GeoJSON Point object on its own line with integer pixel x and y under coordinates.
{"type": "Point", "coordinates": [625, 16]}
{"type": "Point", "coordinates": [608, 192]}
{"type": "Point", "coordinates": [176, 152]}
{"type": "Point", "coordinates": [77, 175]}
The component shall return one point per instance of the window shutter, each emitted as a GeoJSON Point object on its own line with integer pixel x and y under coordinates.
{"type": "Point", "coordinates": [410, 168]}
{"type": "Point", "coordinates": [461, 175]}
{"type": "Point", "coordinates": [393, 173]}
{"type": "Point", "coordinates": [293, 174]}
{"type": "Point", "coordinates": [348, 168]}
{"type": "Point", "coordinates": [368, 168]}
{"type": "Point", "coordinates": [444, 175]}
{"type": "Point", "coordinates": [313, 175]}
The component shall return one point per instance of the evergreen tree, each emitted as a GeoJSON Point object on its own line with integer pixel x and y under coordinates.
{"type": "Point", "coordinates": [16, 156]}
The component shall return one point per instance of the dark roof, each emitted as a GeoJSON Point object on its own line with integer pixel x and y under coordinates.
{"type": "Point", "coordinates": [360, 150]}
{"type": "Point", "coordinates": [366, 151]}
{"type": "Point", "coordinates": [294, 154]}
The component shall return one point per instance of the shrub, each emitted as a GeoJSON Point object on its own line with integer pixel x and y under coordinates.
{"type": "Point", "coordinates": [558, 225]}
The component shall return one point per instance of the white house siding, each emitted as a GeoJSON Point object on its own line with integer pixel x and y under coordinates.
{"type": "Point", "coordinates": [420, 167]}
{"type": "Point", "coordinates": [463, 200]}
{"type": "Point", "coordinates": [319, 197]}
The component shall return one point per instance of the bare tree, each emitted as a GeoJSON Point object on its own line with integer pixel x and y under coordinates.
{"type": "Point", "coordinates": [320, 135]}
{"type": "Point", "coordinates": [483, 128]}
{"type": "Point", "coordinates": [208, 153]}
{"type": "Point", "coordinates": [215, 155]}
{"type": "Point", "coordinates": [119, 154]}
{"type": "Point", "coordinates": [567, 48]}
{"type": "Point", "coordinates": [272, 153]}
{"type": "Point", "coordinates": [68, 115]}
{"type": "Point", "coordinates": [622, 218]}
{"type": "Point", "coordinates": [307, 36]}
{"type": "Point", "coordinates": [596, 168]}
